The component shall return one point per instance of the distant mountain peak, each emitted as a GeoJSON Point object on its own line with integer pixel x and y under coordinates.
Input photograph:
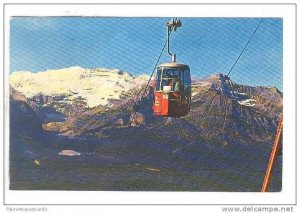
{"type": "Point", "coordinates": [94, 86]}
{"type": "Point", "coordinates": [218, 76]}
{"type": "Point", "coordinates": [214, 80]}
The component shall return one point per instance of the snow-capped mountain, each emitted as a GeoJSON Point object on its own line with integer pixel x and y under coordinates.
{"type": "Point", "coordinates": [93, 86]}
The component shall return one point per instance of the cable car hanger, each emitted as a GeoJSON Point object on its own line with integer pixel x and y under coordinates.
{"type": "Point", "coordinates": [172, 26]}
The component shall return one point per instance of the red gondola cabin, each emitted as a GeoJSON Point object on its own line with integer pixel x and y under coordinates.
{"type": "Point", "coordinates": [172, 90]}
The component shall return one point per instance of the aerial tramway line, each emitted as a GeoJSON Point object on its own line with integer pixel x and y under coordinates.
{"type": "Point", "coordinates": [172, 95]}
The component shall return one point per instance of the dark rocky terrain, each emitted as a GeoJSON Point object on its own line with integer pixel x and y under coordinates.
{"type": "Point", "coordinates": [223, 144]}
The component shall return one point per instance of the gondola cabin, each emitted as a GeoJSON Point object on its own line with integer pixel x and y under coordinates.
{"type": "Point", "coordinates": [172, 90]}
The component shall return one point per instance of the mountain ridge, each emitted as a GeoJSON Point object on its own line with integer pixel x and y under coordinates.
{"type": "Point", "coordinates": [221, 145]}
{"type": "Point", "coordinates": [93, 86]}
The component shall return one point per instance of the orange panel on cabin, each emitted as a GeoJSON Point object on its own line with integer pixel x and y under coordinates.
{"type": "Point", "coordinates": [161, 104]}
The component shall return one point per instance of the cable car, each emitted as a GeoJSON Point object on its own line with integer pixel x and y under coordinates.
{"type": "Point", "coordinates": [172, 86]}
{"type": "Point", "coordinates": [172, 90]}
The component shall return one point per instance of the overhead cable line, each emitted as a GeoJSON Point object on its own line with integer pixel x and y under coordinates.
{"type": "Point", "coordinates": [136, 103]}
{"type": "Point", "coordinates": [232, 67]}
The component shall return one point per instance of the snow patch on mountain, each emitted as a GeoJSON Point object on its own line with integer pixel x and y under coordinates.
{"type": "Point", "coordinates": [247, 102]}
{"type": "Point", "coordinates": [94, 86]}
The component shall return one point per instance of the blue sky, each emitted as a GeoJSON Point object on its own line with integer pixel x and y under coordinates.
{"type": "Point", "coordinates": [207, 45]}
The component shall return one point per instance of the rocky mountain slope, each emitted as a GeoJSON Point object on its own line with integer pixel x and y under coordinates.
{"type": "Point", "coordinates": [221, 145]}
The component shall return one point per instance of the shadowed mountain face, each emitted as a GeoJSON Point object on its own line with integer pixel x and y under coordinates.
{"type": "Point", "coordinates": [223, 144]}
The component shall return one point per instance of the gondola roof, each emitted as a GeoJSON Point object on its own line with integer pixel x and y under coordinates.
{"type": "Point", "coordinates": [173, 65]}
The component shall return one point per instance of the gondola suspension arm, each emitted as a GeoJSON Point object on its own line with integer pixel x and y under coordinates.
{"type": "Point", "coordinates": [172, 26]}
